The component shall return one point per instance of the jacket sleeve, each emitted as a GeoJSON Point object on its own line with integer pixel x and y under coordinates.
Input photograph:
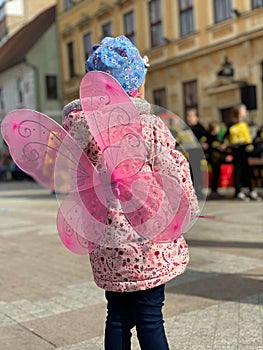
{"type": "Point", "coordinates": [165, 159]}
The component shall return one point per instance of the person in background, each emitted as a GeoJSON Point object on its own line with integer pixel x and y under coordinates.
{"type": "Point", "coordinates": [133, 274]}
{"type": "Point", "coordinates": [195, 156]}
{"type": "Point", "coordinates": [200, 132]}
{"type": "Point", "coordinates": [6, 163]}
{"type": "Point", "coordinates": [258, 142]}
{"type": "Point", "coordinates": [239, 139]}
{"type": "Point", "coordinates": [215, 155]}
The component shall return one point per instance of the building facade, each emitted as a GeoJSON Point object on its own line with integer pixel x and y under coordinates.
{"type": "Point", "coordinates": [203, 54]}
{"type": "Point", "coordinates": [30, 70]}
{"type": "Point", "coordinates": [14, 14]}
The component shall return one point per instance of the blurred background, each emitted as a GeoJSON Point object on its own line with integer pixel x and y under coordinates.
{"type": "Point", "coordinates": [204, 55]}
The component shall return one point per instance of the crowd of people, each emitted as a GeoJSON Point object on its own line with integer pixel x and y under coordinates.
{"type": "Point", "coordinates": [232, 144]}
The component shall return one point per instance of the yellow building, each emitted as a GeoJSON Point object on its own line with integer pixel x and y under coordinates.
{"type": "Point", "coordinates": [14, 14]}
{"type": "Point", "coordinates": [203, 54]}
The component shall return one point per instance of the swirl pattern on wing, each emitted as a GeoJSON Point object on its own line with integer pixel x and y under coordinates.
{"type": "Point", "coordinates": [35, 141]}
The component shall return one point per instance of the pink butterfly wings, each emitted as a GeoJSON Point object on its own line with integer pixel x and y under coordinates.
{"type": "Point", "coordinates": [153, 203]}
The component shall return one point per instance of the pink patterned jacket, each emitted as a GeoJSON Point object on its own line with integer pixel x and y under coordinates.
{"type": "Point", "coordinates": [135, 263]}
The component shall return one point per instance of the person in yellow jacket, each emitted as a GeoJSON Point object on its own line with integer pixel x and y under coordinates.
{"type": "Point", "coordinates": [239, 139]}
{"type": "Point", "coordinates": [239, 133]}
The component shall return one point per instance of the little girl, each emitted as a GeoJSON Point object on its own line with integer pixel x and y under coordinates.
{"type": "Point", "coordinates": [133, 273]}
{"type": "Point", "coordinates": [215, 155]}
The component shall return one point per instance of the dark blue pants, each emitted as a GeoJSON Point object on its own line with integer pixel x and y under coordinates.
{"type": "Point", "coordinates": [143, 310]}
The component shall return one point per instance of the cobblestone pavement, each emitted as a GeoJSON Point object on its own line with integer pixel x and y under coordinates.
{"type": "Point", "coordinates": [48, 299]}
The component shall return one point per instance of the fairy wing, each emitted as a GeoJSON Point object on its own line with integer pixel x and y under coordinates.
{"type": "Point", "coordinates": [81, 221]}
{"type": "Point", "coordinates": [35, 141]}
{"type": "Point", "coordinates": [114, 122]}
{"type": "Point", "coordinates": [154, 204]}
{"type": "Point", "coordinates": [32, 139]}
{"type": "Point", "coordinates": [43, 149]}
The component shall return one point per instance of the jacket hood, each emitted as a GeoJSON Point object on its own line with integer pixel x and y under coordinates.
{"type": "Point", "coordinates": [142, 106]}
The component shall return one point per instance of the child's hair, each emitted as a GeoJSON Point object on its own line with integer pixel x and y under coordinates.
{"type": "Point", "coordinates": [194, 110]}
{"type": "Point", "coordinates": [121, 59]}
{"type": "Point", "coordinates": [212, 125]}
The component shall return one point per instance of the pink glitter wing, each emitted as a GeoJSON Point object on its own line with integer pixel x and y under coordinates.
{"type": "Point", "coordinates": [154, 204]}
{"type": "Point", "coordinates": [43, 149]}
{"type": "Point", "coordinates": [33, 140]}
{"type": "Point", "coordinates": [114, 122]}
{"type": "Point", "coordinates": [81, 221]}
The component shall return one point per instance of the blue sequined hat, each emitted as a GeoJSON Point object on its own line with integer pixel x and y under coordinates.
{"type": "Point", "coordinates": [121, 59]}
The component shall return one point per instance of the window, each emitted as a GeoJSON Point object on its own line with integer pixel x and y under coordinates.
{"type": "Point", "coordinates": [19, 90]}
{"type": "Point", "coordinates": [155, 22]}
{"type": "Point", "coordinates": [129, 26]}
{"type": "Point", "coordinates": [257, 3]}
{"type": "Point", "coordinates": [222, 10]}
{"type": "Point", "coordinates": [70, 48]}
{"type": "Point", "coordinates": [190, 95]}
{"type": "Point", "coordinates": [51, 87]}
{"type": "Point", "coordinates": [107, 29]}
{"type": "Point", "coordinates": [159, 97]}
{"type": "Point", "coordinates": [186, 17]}
{"type": "Point", "coordinates": [87, 42]}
